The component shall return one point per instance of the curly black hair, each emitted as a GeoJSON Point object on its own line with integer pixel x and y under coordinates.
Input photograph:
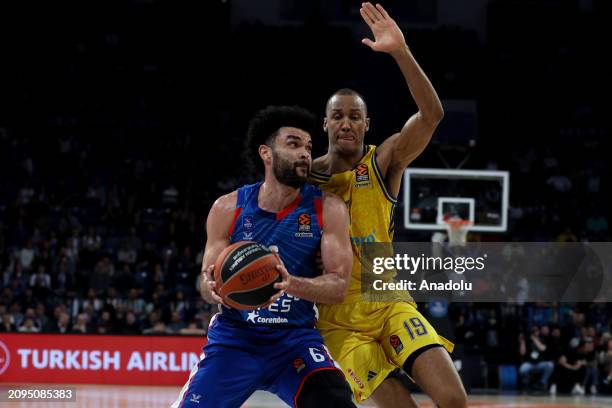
{"type": "Point", "coordinates": [264, 127]}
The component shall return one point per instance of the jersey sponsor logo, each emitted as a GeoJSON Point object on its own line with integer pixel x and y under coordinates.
{"type": "Point", "coordinates": [248, 223]}
{"type": "Point", "coordinates": [396, 343]}
{"type": "Point", "coordinates": [254, 317]}
{"type": "Point", "coordinates": [299, 364]}
{"type": "Point", "coordinates": [355, 378]}
{"type": "Point", "coordinates": [304, 226]}
{"type": "Point", "coordinates": [368, 238]}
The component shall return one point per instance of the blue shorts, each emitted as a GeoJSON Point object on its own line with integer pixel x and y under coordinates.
{"type": "Point", "coordinates": [237, 361]}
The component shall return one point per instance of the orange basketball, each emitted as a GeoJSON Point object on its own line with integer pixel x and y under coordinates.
{"type": "Point", "coordinates": [245, 273]}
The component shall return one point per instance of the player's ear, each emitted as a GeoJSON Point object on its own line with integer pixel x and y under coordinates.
{"type": "Point", "coordinates": [265, 152]}
{"type": "Point", "coordinates": [325, 124]}
{"type": "Point", "coordinates": [367, 124]}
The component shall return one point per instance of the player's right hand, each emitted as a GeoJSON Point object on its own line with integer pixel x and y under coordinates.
{"type": "Point", "coordinates": [208, 287]}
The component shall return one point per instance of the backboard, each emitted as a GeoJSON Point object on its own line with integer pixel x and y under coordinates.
{"type": "Point", "coordinates": [480, 196]}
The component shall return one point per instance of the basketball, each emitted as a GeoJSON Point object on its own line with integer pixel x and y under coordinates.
{"type": "Point", "coordinates": [245, 273]}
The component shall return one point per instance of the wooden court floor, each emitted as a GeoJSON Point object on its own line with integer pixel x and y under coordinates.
{"type": "Point", "coordinates": [117, 396]}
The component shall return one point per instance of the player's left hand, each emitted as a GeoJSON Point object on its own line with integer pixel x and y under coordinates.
{"type": "Point", "coordinates": [387, 35]}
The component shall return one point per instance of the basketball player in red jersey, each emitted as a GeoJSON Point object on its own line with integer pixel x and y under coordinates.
{"type": "Point", "coordinates": [277, 348]}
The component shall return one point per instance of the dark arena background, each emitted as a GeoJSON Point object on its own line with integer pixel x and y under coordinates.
{"type": "Point", "coordinates": [122, 121]}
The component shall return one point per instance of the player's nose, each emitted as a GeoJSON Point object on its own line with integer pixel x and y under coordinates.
{"type": "Point", "coordinates": [346, 124]}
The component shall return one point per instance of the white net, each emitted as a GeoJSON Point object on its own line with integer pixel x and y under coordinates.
{"type": "Point", "coordinates": [457, 230]}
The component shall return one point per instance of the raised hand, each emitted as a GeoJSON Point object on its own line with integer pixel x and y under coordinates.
{"type": "Point", "coordinates": [387, 35]}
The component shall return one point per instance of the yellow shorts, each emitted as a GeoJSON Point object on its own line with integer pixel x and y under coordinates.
{"type": "Point", "coordinates": [370, 340]}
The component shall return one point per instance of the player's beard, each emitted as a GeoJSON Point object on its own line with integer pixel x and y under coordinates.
{"type": "Point", "coordinates": [286, 172]}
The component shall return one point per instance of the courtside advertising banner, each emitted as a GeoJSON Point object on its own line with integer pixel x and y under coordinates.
{"type": "Point", "coordinates": [83, 359]}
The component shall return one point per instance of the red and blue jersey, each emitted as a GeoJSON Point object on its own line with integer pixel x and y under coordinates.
{"type": "Point", "coordinates": [296, 231]}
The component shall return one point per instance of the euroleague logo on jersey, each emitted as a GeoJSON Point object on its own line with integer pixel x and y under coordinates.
{"type": "Point", "coordinates": [396, 343]}
{"type": "Point", "coordinates": [5, 358]}
{"type": "Point", "coordinates": [304, 226]}
{"type": "Point", "coordinates": [299, 364]}
{"type": "Point", "coordinates": [362, 175]}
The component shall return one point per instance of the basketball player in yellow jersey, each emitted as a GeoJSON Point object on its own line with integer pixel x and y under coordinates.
{"type": "Point", "coordinates": [370, 340]}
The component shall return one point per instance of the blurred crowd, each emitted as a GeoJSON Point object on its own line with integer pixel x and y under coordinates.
{"type": "Point", "coordinates": [555, 347]}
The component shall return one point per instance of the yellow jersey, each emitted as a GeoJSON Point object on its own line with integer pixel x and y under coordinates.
{"type": "Point", "coordinates": [371, 210]}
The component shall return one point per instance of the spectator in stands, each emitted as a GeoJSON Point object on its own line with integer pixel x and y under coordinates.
{"type": "Point", "coordinates": [31, 314]}
{"type": "Point", "coordinates": [571, 369]}
{"type": "Point", "coordinates": [80, 326]}
{"type": "Point", "coordinates": [64, 278]}
{"type": "Point", "coordinates": [124, 278]}
{"type": "Point", "coordinates": [26, 256]}
{"type": "Point", "coordinates": [41, 316]}
{"type": "Point", "coordinates": [130, 325]}
{"type": "Point", "coordinates": [113, 299]}
{"type": "Point", "coordinates": [158, 328]}
{"type": "Point", "coordinates": [63, 323]}
{"type": "Point", "coordinates": [44, 257]}
{"type": "Point", "coordinates": [91, 247]}
{"type": "Point", "coordinates": [587, 353]}
{"type": "Point", "coordinates": [605, 363]}
{"type": "Point", "coordinates": [73, 245]}
{"type": "Point", "coordinates": [28, 326]}
{"type": "Point", "coordinates": [105, 324]}
{"type": "Point", "coordinates": [127, 255]}
{"type": "Point", "coordinates": [179, 304]}
{"type": "Point", "coordinates": [19, 278]}
{"type": "Point", "coordinates": [176, 323]}
{"type": "Point", "coordinates": [7, 325]}
{"type": "Point", "coordinates": [15, 311]}
{"type": "Point", "coordinates": [135, 303]}
{"type": "Point", "coordinates": [102, 274]}
{"type": "Point", "coordinates": [41, 279]}
{"type": "Point", "coordinates": [193, 329]}
{"type": "Point", "coordinates": [532, 352]}
{"type": "Point", "coordinates": [93, 300]}
{"type": "Point", "coordinates": [133, 240]}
